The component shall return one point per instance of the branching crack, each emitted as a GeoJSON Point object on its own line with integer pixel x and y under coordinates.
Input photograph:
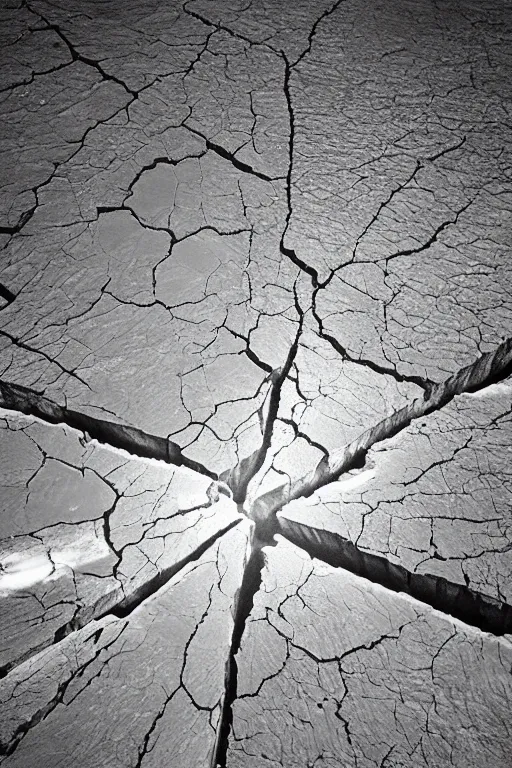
{"type": "Point", "coordinates": [76, 56]}
{"type": "Point", "coordinates": [239, 477]}
{"type": "Point", "coordinates": [127, 603]}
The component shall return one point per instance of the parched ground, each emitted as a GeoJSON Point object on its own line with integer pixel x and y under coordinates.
{"type": "Point", "coordinates": [255, 384]}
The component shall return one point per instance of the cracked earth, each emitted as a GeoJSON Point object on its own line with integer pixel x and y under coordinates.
{"type": "Point", "coordinates": [255, 384]}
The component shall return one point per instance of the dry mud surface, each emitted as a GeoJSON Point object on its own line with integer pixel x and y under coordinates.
{"type": "Point", "coordinates": [255, 384]}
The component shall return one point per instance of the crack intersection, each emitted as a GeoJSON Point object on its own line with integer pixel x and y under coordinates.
{"type": "Point", "coordinates": [267, 511]}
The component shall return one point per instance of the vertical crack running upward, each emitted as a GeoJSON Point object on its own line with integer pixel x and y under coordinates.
{"type": "Point", "coordinates": [251, 583]}
{"type": "Point", "coordinates": [239, 477]}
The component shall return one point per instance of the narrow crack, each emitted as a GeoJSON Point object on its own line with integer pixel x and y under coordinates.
{"type": "Point", "coordinates": [131, 439]}
{"type": "Point", "coordinates": [223, 28]}
{"type": "Point", "coordinates": [239, 477]}
{"type": "Point", "coordinates": [457, 600]}
{"type": "Point", "coordinates": [423, 383]}
{"type": "Point", "coordinates": [314, 28]}
{"type": "Point", "coordinates": [53, 360]}
{"type": "Point", "coordinates": [290, 252]}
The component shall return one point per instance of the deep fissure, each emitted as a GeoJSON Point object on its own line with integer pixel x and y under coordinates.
{"type": "Point", "coordinates": [460, 601]}
{"type": "Point", "coordinates": [457, 600]}
{"type": "Point", "coordinates": [490, 368]}
{"type": "Point", "coordinates": [251, 583]}
{"type": "Point", "coordinates": [131, 439]}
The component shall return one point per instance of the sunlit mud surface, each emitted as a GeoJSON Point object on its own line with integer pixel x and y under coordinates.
{"type": "Point", "coordinates": [255, 384]}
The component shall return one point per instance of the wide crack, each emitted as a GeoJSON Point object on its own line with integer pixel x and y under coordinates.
{"type": "Point", "coordinates": [457, 600]}
{"type": "Point", "coordinates": [474, 608]}
{"type": "Point", "coordinates": [488, 369]}
{"type": "Point", "coordinates": [251, 583]}
{"type": "Point", "coordinates": [460, 601]}
{"type": "Point", "coordinates": [131, 439]}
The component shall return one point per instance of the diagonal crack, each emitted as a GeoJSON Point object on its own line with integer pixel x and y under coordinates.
{"type": "Point", "coordinates": [491, 367]}
{"type": "Point", "coordinates": [6, 294]}
{"type": "Point", "coordinates": [126, 604]}
{"type": "Point", "coordinates": [233, 159]}
{"type": "Point", "coordinates": [41, 714]}
{"type": "Point", "coordinates": [468, 605]}
{"type": "Point", "coordinates": [129, 604]}
{"type": "Point", "coordinates": [314, 28]}
{"type": "Point", "coordinates": [21, 345]}
{"type": "Point", "coordinates": [239, 477]}
{"type": "Point", "coordinates": [131, 439]}
{"type": "Point", "coordinates": [424, 384]}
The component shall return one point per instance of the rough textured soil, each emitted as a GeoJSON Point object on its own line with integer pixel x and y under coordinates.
{"type": "Point", "coordinates": [255, 384]}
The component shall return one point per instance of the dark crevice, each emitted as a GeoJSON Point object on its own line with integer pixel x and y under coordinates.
{"type": "Point", "coordinates": [131, 439]}
{"type": "Point", "coordinates": [251, 584]}
{"type": "Point", "coordinates": [25, 216]}
{"type": "Point", "coordinates": [490, 368]}
{"type": "Point", "coordinates": [6, 294]}
{"type": "Point", "coordinates": [119, 604]}
{"type": "Point", "coordinates": [231, 157]}
{"type": "Point", "coordinates": [457, 600]}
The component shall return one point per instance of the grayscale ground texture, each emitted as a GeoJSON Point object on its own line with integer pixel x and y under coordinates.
{"type": "Point", "coordinates": [256, 384]}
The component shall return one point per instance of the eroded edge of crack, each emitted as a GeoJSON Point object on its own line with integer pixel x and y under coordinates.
{"type": "Point", "coordinates": [135, 441]}
{"type": "Point", "coordinates": [457, 600]}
